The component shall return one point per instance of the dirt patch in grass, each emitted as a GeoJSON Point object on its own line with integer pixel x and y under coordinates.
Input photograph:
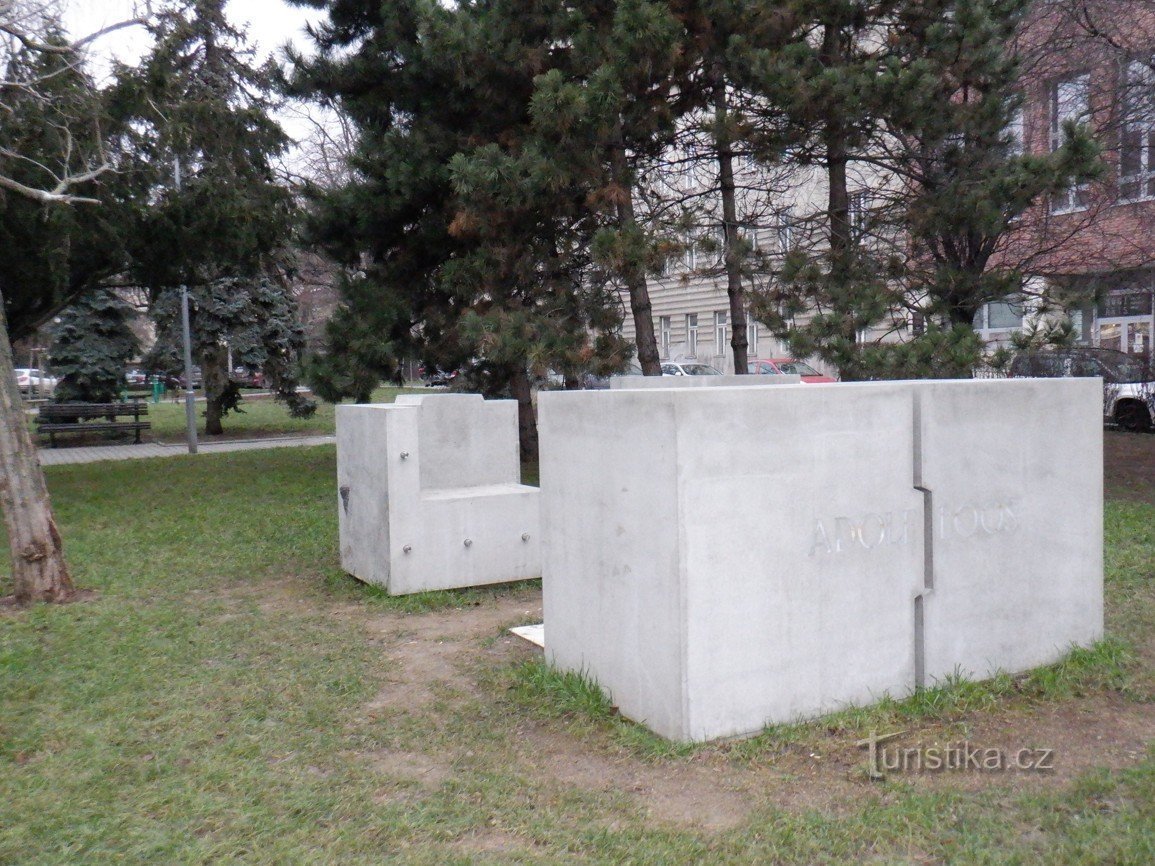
{"type": "Point", "coordinates": [1129, 466]}
{"type": "Point", "coordinates": [438, 662]}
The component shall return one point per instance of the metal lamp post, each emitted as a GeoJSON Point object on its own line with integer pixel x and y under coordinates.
{"type": "Point", "coordinates": [189, 395]}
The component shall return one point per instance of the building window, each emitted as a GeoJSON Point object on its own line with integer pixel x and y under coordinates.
{"type": "Point", "coordinates": [664, 335]}
{"type": "Point", "coordinates": [691, 335]}
{"type": "Point", "coordinates": [690, 253]}
{"type": "Point", "coordinates": [721, 318]}
{"type": "Point", "coordinates": [1016, 132]}
{"type": "Point", "coordinates": [751, 336]}
{"type": "Point", "coordinates": [1000, 316]}
{"type": "Point", "coordinates": [1137, 136]}
{"type": "Point", "coordinates": [1070, 100]}
{"type": "Point", "coordinates": [917, 324]}
{"type": "Point", "coordinates": [785, 229]}
{"type": "Point", "coordinates": [717, 240]}
{"type": "Point", "coordinates": [859, 208]}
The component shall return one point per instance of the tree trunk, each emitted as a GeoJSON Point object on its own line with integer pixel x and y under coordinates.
{"type": "Point", "coordinates": [634, 267]}
{"type": "Point", "coordinates": [732, 252]}
{"type": "Point", "coordinates": [526, 421]}
{"type": "Point", "coordinates": [39, 570]}
{"type": "Point", "coordinates": [215, 372]}
{"type": "Point", "coordinates": [834, 53]}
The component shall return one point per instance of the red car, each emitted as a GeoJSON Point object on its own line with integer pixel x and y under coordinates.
{"type": "Point", "coordinates": [788, 366]}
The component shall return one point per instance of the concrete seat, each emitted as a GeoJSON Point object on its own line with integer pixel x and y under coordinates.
{"type": "Point", "coordinates": [430, 497]}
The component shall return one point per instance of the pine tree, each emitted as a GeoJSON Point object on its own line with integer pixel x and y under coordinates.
{"type": "Point", "coordinates": [822, 106]}
{"type": "Point", "coordinates": [923, 94]}
{"type": "Point", "coordinates": [609, 107]}
{"type": "Point", "coordinates": [468, 238]}
{"type": "Point", "coordinates": [952, 85]}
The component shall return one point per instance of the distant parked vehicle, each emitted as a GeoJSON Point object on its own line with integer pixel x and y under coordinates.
{"type": "Point", "coordinates": [688, 368]}
{"type": "Point", "coordinates": [136, 378]}
{"type": "Point", "coordinates": [1128, 381]}
{"type": "Point", "coordinates": [438, 378]}
{"type": "Point", "coordinates": [32, 381]}
{"type": "Point", "coordinates": [248, 378]}
{"type": "Point", "coordinates": [788, 367]}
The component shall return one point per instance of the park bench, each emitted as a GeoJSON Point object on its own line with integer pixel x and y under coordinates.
{"type": "Point", "coordinates": [57, 418]}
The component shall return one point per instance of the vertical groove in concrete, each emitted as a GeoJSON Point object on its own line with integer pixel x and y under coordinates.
{"type": "Point", "coordinates": [919, 645]}
{"type": "Point", "coordinates": [927, 499]}
{"type": "Point", "coordinates": [927, 545]}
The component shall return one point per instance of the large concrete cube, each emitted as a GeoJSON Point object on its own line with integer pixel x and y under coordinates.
{"type": "Point", "coordinates": [722, 558]}
{"type": "Point", "coordinates": [430, 494]}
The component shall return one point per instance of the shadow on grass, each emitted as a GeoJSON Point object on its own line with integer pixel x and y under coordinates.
{"type": "Point", "coordinates": [348, 588]}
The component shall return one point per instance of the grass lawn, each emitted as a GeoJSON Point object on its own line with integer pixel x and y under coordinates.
{"type": "Point", "coordinates": [260, 417]}
{"type": "Point", "coordinates": [230, 696]}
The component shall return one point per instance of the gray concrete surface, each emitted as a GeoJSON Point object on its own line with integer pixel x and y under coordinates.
{"type": "Point", "coordinates": [722, 558]}
{"type": "Point", "coordinates": [429, 494]}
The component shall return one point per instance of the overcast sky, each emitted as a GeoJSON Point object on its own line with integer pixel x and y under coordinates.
{"type": "Point", "coordinates": [269, 24]}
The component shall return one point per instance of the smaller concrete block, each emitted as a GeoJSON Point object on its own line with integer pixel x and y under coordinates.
{"type": "Point", "coordinates": [429, 494]}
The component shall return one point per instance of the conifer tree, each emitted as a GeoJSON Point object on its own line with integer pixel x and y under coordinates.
{"type": "Point", "coordinates": [922, 97]}
{"type": "Point", "coordinates": [952, 85]}
{"type": "Point", "coordinates": [91, 343]}
{"type": "Point", "coordinates": [468, 238]}
{"type": "Point", "coordinates": [204, 140]}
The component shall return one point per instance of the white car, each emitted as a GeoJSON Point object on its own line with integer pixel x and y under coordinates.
{"type": "Point", "coordinates": [688, 368]}
{"type": "Point", "coordinates": [32, 381]}
{"type": "Point", "coordinates": [1128, 381]}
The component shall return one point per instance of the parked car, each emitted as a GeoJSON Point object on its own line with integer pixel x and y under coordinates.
{"type": "Point", "coordinates": [1128, 381]}
{"type": "Point", "coordinates": [438, 378]}
{"type": "Point", "coordinates": [688, 368]}
{"type": "Point", "coordinates": [32, 381]}
{"type": "Point", "coordinates": [248, 378]}
{"type": "Point", "coordinates": [788, 367]}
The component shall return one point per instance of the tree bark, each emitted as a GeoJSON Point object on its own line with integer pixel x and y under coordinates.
{"type": "Point", "coordinates": [215, 371]}
{"type": "Point", "coordinates": [732, 253]}
{"type": "Point", "coordinates": [526, 421]}
{"type": "Point", "coordinates": [634, 268]}
{"type": "Point", "coordinates": [39, 570]}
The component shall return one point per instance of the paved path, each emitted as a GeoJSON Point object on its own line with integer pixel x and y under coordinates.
{"type": "Point", "coordinates": [91, 454]}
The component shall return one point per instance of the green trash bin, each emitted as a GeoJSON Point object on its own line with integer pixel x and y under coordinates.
{"type": "Point", "coordinates": [157, 389]}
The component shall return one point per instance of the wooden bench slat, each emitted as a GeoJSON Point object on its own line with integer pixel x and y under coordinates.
{"type": "Point", "coordinates": [77, 418]}
{"type": "Point", "coordinates": [106, 425]}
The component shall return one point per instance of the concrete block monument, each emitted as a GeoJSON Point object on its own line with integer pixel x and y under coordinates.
{"type": "Point", "coordinates": [430, 494]}
{"type": "Point", "coordinates": [723, 558]}
{"type": "Point", "coordinates": [723, 381]}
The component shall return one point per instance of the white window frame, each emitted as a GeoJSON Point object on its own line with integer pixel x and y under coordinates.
{"type": "Point", "coordinates": [751, 335]}
{"type": "Point", "coordinates": [665, 332]}
{"type": "Point", "coordinates": [1137, 130]}
{"type": "Point", "coordinates": [691, 335]}
{"type": "Point", "coordinates": [1017, 132]}
{"type": "Point", "coordinates": [690, 253]}
{"type": "Point", "coordinates": [784, 228]}
{"type": "Point", "coordinates": [721, 331]}
{"type": "Point", "coordinates": [1075, 105]}
{"type": "Point", "coordinates": [983, 323]}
